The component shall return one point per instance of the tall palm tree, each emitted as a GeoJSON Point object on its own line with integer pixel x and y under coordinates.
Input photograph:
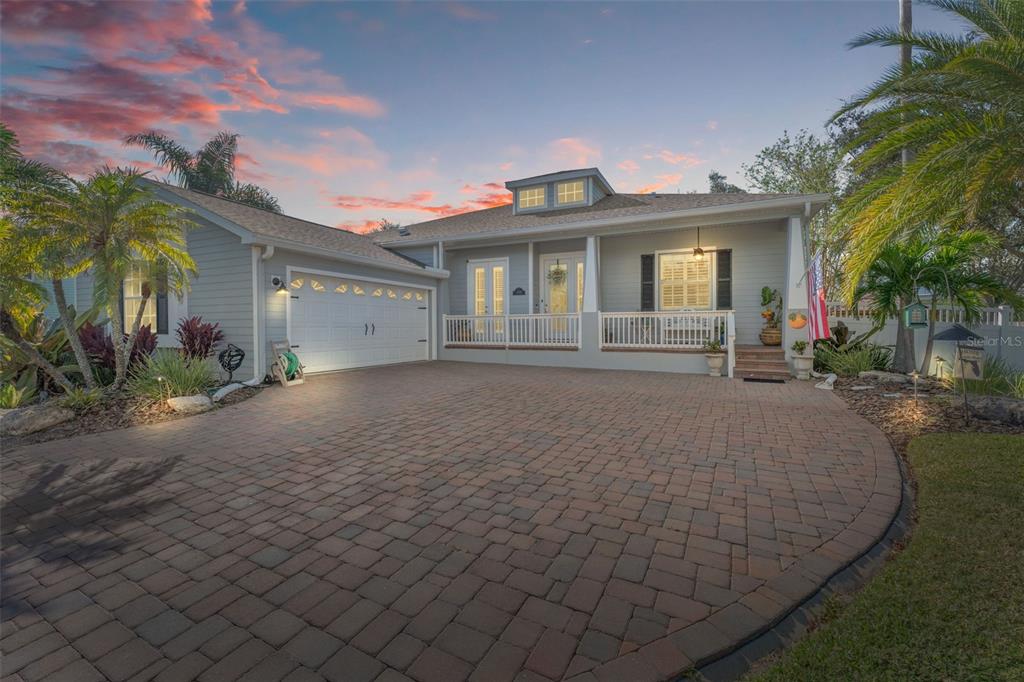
{"type": "Point", "coordinates": [30, 248]}
{"type": "Point", "coordinates": [210, 169]}
{"type": "Point", "coordinates": [959, 112]}
{"type": "Point", "coordinates": [121, 225]}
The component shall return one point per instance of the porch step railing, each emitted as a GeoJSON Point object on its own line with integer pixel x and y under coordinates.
{"type": "Point", "coordinates": [555, 330]}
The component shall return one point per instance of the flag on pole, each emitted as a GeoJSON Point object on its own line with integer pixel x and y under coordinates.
{"type": "Point", "coordinates": [817, 311]}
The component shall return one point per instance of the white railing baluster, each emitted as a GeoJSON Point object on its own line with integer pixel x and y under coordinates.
{"type": "Point", "coordinates": [558, 330]}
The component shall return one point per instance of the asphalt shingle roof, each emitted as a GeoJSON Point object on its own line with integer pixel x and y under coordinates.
{"type": "Point", "coordinates": [279, 226]}
{"type": "Point", "coordinates": [501, 219]}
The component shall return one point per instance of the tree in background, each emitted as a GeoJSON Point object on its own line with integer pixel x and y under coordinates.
{"type": "Point", "coordinates": [958, 110]}
{"type": "Point", "coordinates": [385, 224]}
{"type": "Point", "coordinates": [210, 169]}
{"type": "Point", "coordinates": [718, 185]}
{"type": "Point", "coordinates": [807, 164]}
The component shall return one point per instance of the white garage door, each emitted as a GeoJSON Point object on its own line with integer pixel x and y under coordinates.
{"type": "Point", "coordinates": [338, 323]}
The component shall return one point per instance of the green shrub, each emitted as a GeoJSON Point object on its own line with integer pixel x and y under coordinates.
{"type": "Point", "coordinates": [849, 362]}
{"type": "Point", "coordinates": [15, 395]}
{"type": "Point", "coordinates": [81, 399]}
{"type": "Point", "coordinates": [169, 374]}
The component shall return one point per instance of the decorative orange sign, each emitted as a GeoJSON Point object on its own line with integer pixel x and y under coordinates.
{"type": "Point", "coordinates": [797, 320]}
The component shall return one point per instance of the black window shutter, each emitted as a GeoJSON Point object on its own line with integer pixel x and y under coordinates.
{"type": "Point", "coordinates": [161, 313]}
{"type": "Point", "coordinates": [647, 281]}
{"type": "Point", "coordinates": [724, 284]}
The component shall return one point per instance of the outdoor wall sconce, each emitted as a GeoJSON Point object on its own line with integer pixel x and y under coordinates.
{"type": "Point", "coordinates": [278, 284]}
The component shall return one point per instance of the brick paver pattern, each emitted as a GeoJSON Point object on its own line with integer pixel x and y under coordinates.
{"type": "Point", "coordinates": [437, 521]}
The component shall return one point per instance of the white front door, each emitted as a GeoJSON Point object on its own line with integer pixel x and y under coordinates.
{"type": "Point", "coordinates": [340, 323]}
{"type": "Point", "coordinates": [563, 283]}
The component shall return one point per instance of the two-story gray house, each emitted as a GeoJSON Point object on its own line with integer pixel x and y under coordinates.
{"type": "Point", "coordinates": [570, 273]}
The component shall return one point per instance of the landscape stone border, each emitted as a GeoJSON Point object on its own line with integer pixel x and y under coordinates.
{"type": "Point", "coordinates": [736, 661]}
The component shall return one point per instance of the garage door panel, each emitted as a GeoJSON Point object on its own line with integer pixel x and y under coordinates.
{"type": "Point", "coordinates": [340, 323]}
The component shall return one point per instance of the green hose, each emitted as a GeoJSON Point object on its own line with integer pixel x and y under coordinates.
{"type": "Point", "coordinates": [290, 362]}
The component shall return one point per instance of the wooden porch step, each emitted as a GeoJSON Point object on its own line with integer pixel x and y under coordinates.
{"type": "Point", "coordinates": [760, 352]}
{"type": "Point", "coordinates": [749, 373]}
{"type": "Point", "coordinates": [762, 364]}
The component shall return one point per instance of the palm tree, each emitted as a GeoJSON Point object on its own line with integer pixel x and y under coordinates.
{"type": "Point", "coordinates": [959, 111]}
{"type": "Point", "coordinates": [210, 169]}
{"type": "Point", "coordinates": [123, 225]}
{"type": "Point", "coordinates": [942, 263]}
{"type": "Point", "coordinates": [31, 247]}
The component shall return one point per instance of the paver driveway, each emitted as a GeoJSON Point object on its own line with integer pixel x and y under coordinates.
{"type": "Point", "coordinates": [439, 521]}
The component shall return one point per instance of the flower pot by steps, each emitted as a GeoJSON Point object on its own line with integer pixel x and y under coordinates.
{"type": "Point", "coordinates": [771, 336]}
{"type": "Point", "coordinates": [715, 362]}
{"type": "Point", "coordinates": [803, 364]}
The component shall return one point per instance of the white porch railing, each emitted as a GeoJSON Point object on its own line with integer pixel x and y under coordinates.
{"type": "Point", "coordinates": [513, 331]}
{"type": "Point", "coordinates": [666, 330]}
{"type": "Point", "coordinates": [992, 317]}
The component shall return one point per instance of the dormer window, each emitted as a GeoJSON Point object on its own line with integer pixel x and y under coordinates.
{"type": "Point", "coordinates": [532, 197]}
{"type": "Point", "coordinates": [570, 192]}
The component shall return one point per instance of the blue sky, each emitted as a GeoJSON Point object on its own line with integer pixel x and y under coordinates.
{"type": "Point", "coordinates": [351, 112]}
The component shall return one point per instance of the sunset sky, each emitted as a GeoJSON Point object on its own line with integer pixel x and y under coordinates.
{"type": "Point", "coordinates": [352, 112]}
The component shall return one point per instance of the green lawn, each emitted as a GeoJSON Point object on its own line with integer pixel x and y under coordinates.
{"type": "Point", "coordinates": [951, 605]}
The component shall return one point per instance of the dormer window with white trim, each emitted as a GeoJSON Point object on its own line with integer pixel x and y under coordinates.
{"type": "Point", "coordinates": [532, 197]}
{"type": "Point", "coordinates": [571, 192]}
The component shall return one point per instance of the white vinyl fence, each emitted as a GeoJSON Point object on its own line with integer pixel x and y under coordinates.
{"type": "Point", "coordinates": [1004, 335]}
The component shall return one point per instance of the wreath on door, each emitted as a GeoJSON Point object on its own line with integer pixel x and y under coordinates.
{"type": "Point", "coordinates": [557, 275]}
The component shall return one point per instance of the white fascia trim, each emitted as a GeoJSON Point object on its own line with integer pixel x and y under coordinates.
{"type": "Point", "coordinates": [344, 257]}
{"type": "Point", "coordinates": [746, 207]}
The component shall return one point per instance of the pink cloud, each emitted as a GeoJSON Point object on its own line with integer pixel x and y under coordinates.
{"type": "Point", "coordinates": [629, 165]}
{"type": "Point", "coordinates": [359, 226]}
{"type": "Point", "coordinates": [676, 158]}
{"type": "Point", "coordinates": [711, 125]}
{"type": "Point", "coordinates": [664, 180]}
{"type": "Point", "coordinates": [574, 151]}
{"type": "Point", "coordinates": [489, 195]}
{"type": "Point", "coordinates": [466, 12]}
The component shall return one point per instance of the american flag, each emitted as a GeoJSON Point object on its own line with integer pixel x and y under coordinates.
{"type": "Point", "coordinates": [817, 312]}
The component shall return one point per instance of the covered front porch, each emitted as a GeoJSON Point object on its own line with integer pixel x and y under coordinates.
{"type": "Point", "coordinates": [639, 300]}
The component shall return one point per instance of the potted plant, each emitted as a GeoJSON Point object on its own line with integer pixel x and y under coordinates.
{"type": "Point", "coordinates": [716, 357]}
{"type": "Point", "coordinates": [802, 363]}
{"type": "Point", "coordinates": [771, 304]}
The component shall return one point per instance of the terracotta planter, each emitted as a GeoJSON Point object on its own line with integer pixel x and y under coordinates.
{"type": "Point", "coordinates": [771, 336]}
{"type": "Point", "coordinates": [802, 365]}
{"type": "Point", "coordinates": [715, 362]}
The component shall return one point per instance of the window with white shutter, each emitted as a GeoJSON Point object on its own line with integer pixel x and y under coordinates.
{"type": "Point", "coordinates": [684, 282]}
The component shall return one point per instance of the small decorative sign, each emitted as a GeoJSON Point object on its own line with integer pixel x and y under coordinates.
{"type": "Point", "coordinates": [797, 319]}
{"type": "Point", "coordinates": [519, 291]}
{"type": "Point", "coordinates": [971, 361]}
{"type": "Point", "coordinates": [915, 316]}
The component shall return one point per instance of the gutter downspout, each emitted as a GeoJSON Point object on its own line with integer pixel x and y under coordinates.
{"type": "Point", "coordinates": [258, 360]}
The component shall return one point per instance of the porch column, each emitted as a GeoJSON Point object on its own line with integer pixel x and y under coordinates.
{"type": "Point", "coordinates": [795, 294]}
{"type": "Point", "coordinates": [590, 283]}
{"type": "Point", "coordinates": [529, 276]}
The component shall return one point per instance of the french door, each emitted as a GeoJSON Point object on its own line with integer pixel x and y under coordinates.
{"type": "Point", "coordinates": [488, 295]}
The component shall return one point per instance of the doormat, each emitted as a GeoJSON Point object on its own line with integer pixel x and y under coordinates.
{"type": "Point", "coordinates": [757, 380]}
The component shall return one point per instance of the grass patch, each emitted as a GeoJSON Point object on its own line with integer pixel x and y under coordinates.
{"type": "Point", "coordinates": [950, 606]}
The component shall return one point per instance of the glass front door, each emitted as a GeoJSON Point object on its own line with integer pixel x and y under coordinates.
{"type": "Point", "coordinates": [563, 283]}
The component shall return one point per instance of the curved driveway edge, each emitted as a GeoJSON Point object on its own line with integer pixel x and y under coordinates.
{"type": "Point", "coordinates": [440, 521]}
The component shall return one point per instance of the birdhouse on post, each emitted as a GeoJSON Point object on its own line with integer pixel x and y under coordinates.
{"type": "Point", "coordinates": [915, 316]}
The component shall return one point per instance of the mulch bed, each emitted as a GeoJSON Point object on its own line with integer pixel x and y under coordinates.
{"type": "Point", "coordinates": [902, 418]}
{"type": "Point", "coordinates": [118, 413]}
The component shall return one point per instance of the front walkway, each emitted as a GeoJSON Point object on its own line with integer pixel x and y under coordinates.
{"type": "Point", "coordinates": [438, 521]}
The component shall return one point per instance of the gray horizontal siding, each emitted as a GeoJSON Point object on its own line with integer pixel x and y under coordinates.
{"type": "Point", "coordinates": [518, 275]}
{"type": "Point", "coordinates": [424, 255]}
{"type": "Point", "coordinates": [221, 292]}
{"type": "Point", "coordinates": [758, 259]}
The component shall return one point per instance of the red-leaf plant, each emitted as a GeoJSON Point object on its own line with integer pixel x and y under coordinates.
{"type": "Point", "coordinates": [197, 338]}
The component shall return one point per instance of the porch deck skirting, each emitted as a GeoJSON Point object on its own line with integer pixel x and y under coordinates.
{"type": "Point", "coordinates": [670, 341]}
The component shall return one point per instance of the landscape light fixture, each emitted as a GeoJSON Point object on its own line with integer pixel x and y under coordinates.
{"type": "Point", "coordinates": [698, 253]}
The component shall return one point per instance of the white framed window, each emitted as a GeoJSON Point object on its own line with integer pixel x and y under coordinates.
{"type": "Point", "coordinates": [155, 312]}
{"type": "Point", "coordinates": [570, 192]}
{"type": "Point", "coordinates": [684, 282]}
{"type": "Point", "coordinates": [532, 197]}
